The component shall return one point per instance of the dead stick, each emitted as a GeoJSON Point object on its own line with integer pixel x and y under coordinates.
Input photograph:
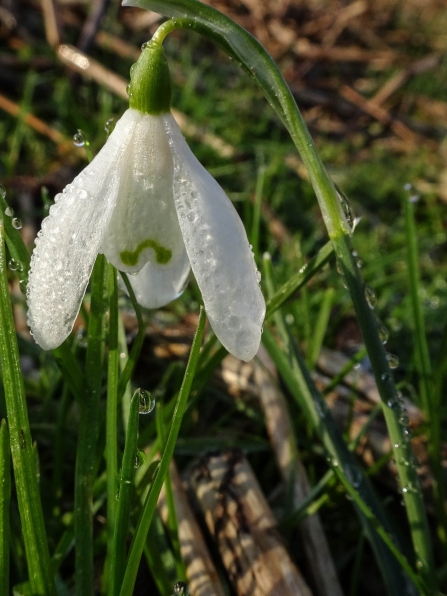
{"type": "Point", "coordinates": [203, 579]}
{"type": "Point", "coordinates": [280, 431]}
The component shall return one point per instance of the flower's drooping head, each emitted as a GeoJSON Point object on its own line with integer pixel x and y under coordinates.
{"type": "Point", "coordinates": [155, 212]}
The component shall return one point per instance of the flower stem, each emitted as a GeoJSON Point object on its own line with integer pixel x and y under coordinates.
{"type": "Point", "coordinates": [88, 432]}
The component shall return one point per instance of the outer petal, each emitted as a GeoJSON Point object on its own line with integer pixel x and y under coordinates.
{"type": "Point", "coordinates": [156, 287]}
{"type": "Point", "coordinates": [218, 250]}
{"type": "Point", "coordinates": [67, 245]}
{"type": "Point", "coordinates": [144, 225]}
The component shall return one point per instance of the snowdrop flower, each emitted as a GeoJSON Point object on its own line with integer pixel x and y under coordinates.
{"type": "Point", "coordinates": [154, 211]}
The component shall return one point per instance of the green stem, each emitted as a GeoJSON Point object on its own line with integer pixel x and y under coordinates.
{"type": "Point", "coordinates": [88, 433]}
{"type": "Point", "coordinates": [23, 456]}
{"type": "Point", "coordinates": [112, 420]}
{"type": "Point", "coordinates": [144, 522]}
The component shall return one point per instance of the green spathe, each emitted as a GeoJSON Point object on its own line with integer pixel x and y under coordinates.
{"type": "Point", "coordinates": [150, 81]}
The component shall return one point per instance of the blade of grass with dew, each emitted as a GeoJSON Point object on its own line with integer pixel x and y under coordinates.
{"type": "Point", "coordinates": [5, 496]}
{"type": "Point", "coordinates": [339, 221]}
{"type": "Point", "coordinates": [430, 400]}
{"type": "Point", "coordinates": [169, 496]}
{"type": "Point", "coordinates": [118, 556]}
{"type": "Point", "coordinates": [144, 523]}
{"type": "Point", "coordinates": [88, 431]}
{"type": "Point", "coordinates": [319, 416]}
{"type": "Point", "coordinates": [138, 342]}
{"type": "Point", "coordinates": [23, 459]}
{"type": "Point", "coordinates": [320, 327]}
{"type": "Point", "coordinates": [159, 556]}
{"type": "Point", "coordinates": [292, 368]}
{"type": "Point", "coordinates": [254, 237]}
{"type": "Point", "coordinates": [112, 419]}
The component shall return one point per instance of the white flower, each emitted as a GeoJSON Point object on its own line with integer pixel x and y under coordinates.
{"type": "Point", "coordinates": [150, 207]}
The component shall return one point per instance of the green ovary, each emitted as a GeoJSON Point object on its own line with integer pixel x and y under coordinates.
{"type": "Point", "coordinates": [162, 255]}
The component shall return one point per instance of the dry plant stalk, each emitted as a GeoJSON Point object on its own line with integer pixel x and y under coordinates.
{"type": "Point", "coordinates": [280, 431]}
{"type": "Point", "coordinates": [203, 579]}
{"type": "Point", "coordinates": [241, 522]}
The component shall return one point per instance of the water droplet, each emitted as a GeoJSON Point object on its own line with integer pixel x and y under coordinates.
{"type": "Point", "coordinates": [347, 208]}
{"type": "Point", "coordinates": [404, 419]}
{"type": "Point", "coordinates": [413, 198]}
{"type": "Point", "coordinates": [386, 377]}
{"type": "Point", "coordinates": [408, 186]}
{"type": "Point", "coordinates": [82, 337]}
{"type": "Point", "coordinates": [17, 223]}
{"type": "Point", "coordinates": [117, 496]}
{"type": "Point", "coordinates": [22, 286]}
{"type": "Point", "coordinates": [384, 334]}
{"type": "Point", "coordinates": [13, 265]}
{"type": "Point", "coordinates": [9, 211]}
{"type": "Point", "coordinates": [393, 360]}
{"type": "Point", "coordinates": [147, 402]}
{"type": "Point", "coordinates": [109, 125]}
{"type": "Point", "coordinates": [139, 459]}
{"type": "Point", "coordinates": [392, 403]}
{"type": "Point", "coordinates": [354, 475]}
{"type": "Point", "coordinates": [78, 139]}
{"type": "Point", "coordinates": [144, 45]}
{"type": "Point", "coordinates": [338, 266]}
{"type": "Point", "coordinates": [128, 90]}
{"type": "Point", "coordinates": [2, 191]}
{"type": "Point", "coordinates": [358, 262]}
{"type": "Point", "coordinates": [181, 589]}
{"type": "Point", "coordinates": [396, 445]}
{"type": "Point", "coordinates": [370, 296]}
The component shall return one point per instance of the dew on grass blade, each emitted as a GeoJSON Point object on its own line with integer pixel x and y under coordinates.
{"type": "Point", "coordinates": [347, 208]}
{"type": "Point", "coordinates": [384, 334]}
{"type": "Point", "coordinates": [9, 211]}
{"type": "Point", "coordinates": [13, 265]}
{"type": "Point", "coordinates": [370, 296]}
{"type": "Point", "coordinates": [17, 223]}
{"type": "Point", "coordinates": [393, 360]}
{"type": "Point", "coordinates": [139, 459]}
{"type": "Point", "coordinates": [147, 401]}
{"type": "Point", "coordinates": [22, 286]}
{"type": "Point", "coordinates": [181, 589]}
{"type": "Point", "coordinates": [2, 191]}
{"type": "Point", "coordinates": [109, 126]}
{"type": "Point", "coordinates": [78, 139]}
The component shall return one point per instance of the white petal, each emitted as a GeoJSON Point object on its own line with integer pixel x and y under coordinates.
{"type": "Point", "coordinates": [144, 225]}
{"type": "Point", "coordinates": [218, 250]}
{"type": "Point", "coordinates": [155, 287]}
{"type": "Point", "coordinates": [67, 245]}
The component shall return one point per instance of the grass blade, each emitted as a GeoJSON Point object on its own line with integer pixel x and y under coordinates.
{"type": "Point", "coordinates": [144, 523]}
{"type": "Point", "coordinates": [5, 496]}
{"type": "Point", "coordinates": [118, 557]}
{"type": "Point", "coordinates": [23, 458]}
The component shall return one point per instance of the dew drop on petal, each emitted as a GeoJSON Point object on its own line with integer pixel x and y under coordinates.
{"type": "Point", "coordinates": [17, 223]}
{"type": "Point", "coordinates": [147, 401]}
{"type": "Point", "coordinates": [78, 139]}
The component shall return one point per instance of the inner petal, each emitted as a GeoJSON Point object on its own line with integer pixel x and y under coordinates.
{"type": "Point", "coordinates": [144, 226]}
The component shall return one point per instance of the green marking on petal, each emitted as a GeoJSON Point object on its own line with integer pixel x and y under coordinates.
{"type": "Point", "coordinates": [162, 255]}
